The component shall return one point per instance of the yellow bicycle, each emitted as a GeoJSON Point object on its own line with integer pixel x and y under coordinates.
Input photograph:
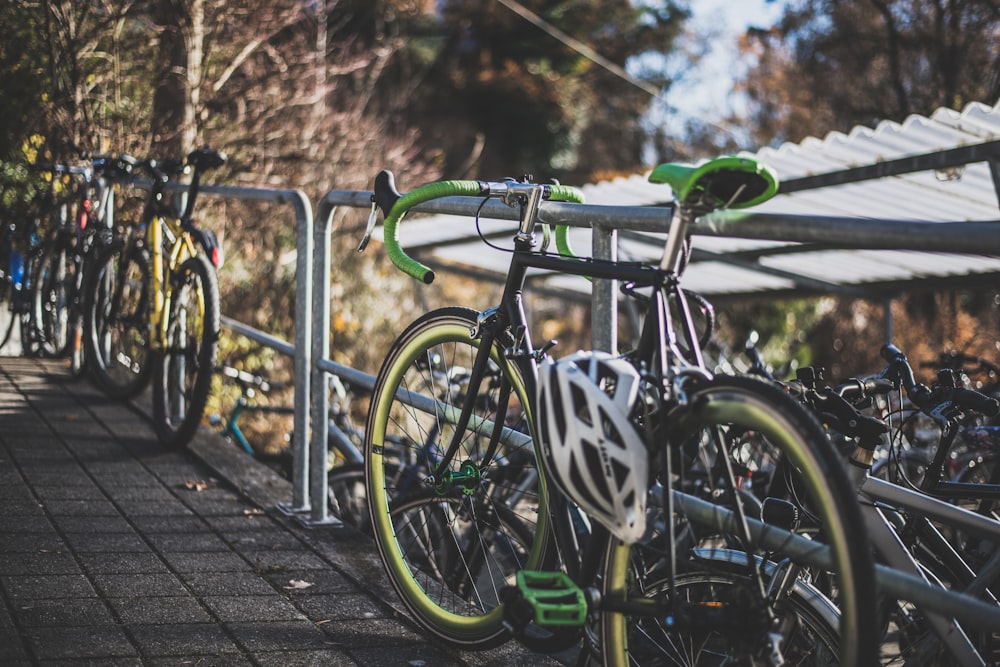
{"type": "Point", "coordinates": [151, 310]}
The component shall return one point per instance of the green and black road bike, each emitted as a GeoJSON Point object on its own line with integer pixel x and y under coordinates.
{"type": "Point", "coordinates": [478, 488]}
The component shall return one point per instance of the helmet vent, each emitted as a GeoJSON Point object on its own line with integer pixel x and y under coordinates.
{"type": "Point", "coordinates": [581, 485]}
{"type": "Point", "coordinates": [583, 409]}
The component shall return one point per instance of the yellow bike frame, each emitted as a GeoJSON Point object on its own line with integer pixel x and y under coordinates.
{"type": "Point", "coordinates": [164, 233]}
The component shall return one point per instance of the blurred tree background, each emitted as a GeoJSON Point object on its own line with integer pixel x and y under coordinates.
{"type": "Point", "coordinates": [320, 94]}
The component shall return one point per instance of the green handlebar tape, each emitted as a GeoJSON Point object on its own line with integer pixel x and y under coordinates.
{"type": "Point", "coordinates": [566, 193]}
{"type": "Point", "coordinates": [426, 193]}
{"type": "Point", "coordinates": [572, 195]}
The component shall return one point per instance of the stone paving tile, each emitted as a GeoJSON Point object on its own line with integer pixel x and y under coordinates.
{"type": "Point", "coordinates": [226, 583]}
{"type": "Point", "coordinates": [93, 525]}
{"type": "Point", "coordinates": [147, 493]}
{"type": "Point", "coordinates": [412, 656]}
{"type": "Point", "coordinates": [371, 633]}
{"type": "Point", "coordinates": [85, 491]}
{"type": "Point", "coordinates": [160, 610]}
{"type": "Point", "coordinates": [128, 562]}
{"type": "Point", "coordinates": [168, 524]}
{"type": "Point", "coordinates": [37, 587]}
{"type": "Point", "coordinates": [188, 542]}
{"type": "Point", "coordinates": [8, 490]}
{"type": "Point", "coordinates": [206, 561]}
{"type": "Point", "coordinates": [80, 643]}
{"type": "Point", "coordinates": [77, 507]}
{"type": "Point", "coordinates": [251, 608]}
{"type": "Point", "coordinates": [38, 563]}
{"type": "Point", "coordinates": [153, 508]}
{"type": "Point", "coordinates": [107, 542]}
{"type": "Point", "coordinates": [278, 560]}
{"type": "Point", "coordinates": [24, 507]}
{"type": "Point", "coordinates": [139, 585]}
{"type": "Point", "coordinates": [46, 542]}
{"type": "Point", "coordinates": [227, 660]}
{"type": "Point", "coordinates": [331, 657]}
{"type": "Point", "coordinates": [340, 606]}
{"type": "Point", "coordinates": [12, 524]}
{"type": "Point", "coordinates": [322, 582]}
{"type": "Point", "coordinates": [262, 540]}
{"type": "Point", "coordinates": [279, 636]}
{"type": "Point", "coordinates": [63, 613]}
{"type": "Point", "coordinates": [183, 639]}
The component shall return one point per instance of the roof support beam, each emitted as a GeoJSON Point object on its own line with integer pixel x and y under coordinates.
{"type": "Point", "coordinates": [955, 157]}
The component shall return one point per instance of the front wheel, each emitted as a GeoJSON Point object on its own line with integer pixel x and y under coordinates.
{"type": "Point", "coordinates": [764, 430]}
{"type": "Point", "coordinates": [183, 368]}
{"type": "Point", "coordinates": [116, 321]}
{"type": "Point", "coordinates": [451, 541]}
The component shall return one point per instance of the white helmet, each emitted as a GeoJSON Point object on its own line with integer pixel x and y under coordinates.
{"type": "Point", "coordinates": [591, 448]}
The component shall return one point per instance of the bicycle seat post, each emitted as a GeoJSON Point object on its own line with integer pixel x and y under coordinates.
{"type": "Point", "coordinates": [680, 219]}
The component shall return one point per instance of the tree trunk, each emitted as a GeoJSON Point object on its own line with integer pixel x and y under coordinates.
{"type": "Point", "coordinates": [176, 96]}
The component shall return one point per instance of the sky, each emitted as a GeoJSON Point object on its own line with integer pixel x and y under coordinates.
{"type": "Point", "coordinates": [705, 93]}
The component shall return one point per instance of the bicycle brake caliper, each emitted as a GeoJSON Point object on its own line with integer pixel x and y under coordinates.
{"type": "Point", "coordinates": [482, 320]}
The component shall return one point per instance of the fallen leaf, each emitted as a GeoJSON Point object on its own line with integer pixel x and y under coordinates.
{"type": "Point", "coordinates": [298, 585]}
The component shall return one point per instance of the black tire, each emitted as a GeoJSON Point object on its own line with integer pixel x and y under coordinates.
{"type": "Point", "coordinates": [52, 293]}
{"type": "Point", "coordinates": [183, 368]}
{"type": "Point", "coordinates": [116, 321]}
{"type": "Point", "coordinates": [346, 491]}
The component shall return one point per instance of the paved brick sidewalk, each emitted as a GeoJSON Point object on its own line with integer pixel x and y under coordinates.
{"type": "Point", "coordinates": [114, 551]}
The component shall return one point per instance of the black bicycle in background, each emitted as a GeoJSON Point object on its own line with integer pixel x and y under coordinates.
{"type": "Point", "coordinates": [81, 223]}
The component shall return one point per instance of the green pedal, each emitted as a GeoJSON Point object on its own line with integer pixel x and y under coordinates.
{"type": "Point", "coordinates": [556, 600]}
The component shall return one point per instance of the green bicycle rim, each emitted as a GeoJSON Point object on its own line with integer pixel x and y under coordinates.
{"type": "Point", "coordinates": [455, 628]}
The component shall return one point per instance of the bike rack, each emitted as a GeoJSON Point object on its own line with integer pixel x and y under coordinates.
{"type": "Point", "coordinates": [311, 348]}
{"type": "Point", "coordinates": [303, 314]}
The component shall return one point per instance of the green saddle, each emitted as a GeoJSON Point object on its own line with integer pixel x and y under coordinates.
{"type": "Point", "coordinates": [723, 182]}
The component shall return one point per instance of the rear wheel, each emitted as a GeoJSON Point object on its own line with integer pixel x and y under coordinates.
{"type": "Point", "coordinates": [52, 294]}
{"type": "Point", "coordinates": [753, 420]}
{"type": "Point", "coordinates": [184, 367]}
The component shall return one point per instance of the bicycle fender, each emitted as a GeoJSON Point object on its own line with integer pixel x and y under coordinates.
{"type": "Point", "coordinates": [209, 242]}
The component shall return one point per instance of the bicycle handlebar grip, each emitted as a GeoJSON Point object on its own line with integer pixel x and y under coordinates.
{"type": "Point", "coordinates": [975, 401]}
{"type": "Point", "coordinates": [399, 208]}
{"type": "Point", "coordinates": [897, 360]}
{"type": "Point", "coordinates": [851, 420]}
{"type": "Point", "coordinates": [386, 196]}
{"type": "Point", "coordinates": [565, 193]}
{"type": "Point", "coordinates": [858, 388]}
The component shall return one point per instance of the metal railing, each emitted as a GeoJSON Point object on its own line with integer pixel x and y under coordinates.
{"type": "Point", "coordinates": [981, 238]}
{"type": "Point", "coordinates": [313, 276]}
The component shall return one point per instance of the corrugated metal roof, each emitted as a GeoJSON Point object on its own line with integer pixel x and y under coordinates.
{"type": "Point", "coordinates": [731, 266]}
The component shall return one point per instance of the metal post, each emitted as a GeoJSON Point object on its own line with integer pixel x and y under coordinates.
{"type": "Point", "coordinates": [319, 405]}
{"type": "Point", "coordinates": [604, 308]}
